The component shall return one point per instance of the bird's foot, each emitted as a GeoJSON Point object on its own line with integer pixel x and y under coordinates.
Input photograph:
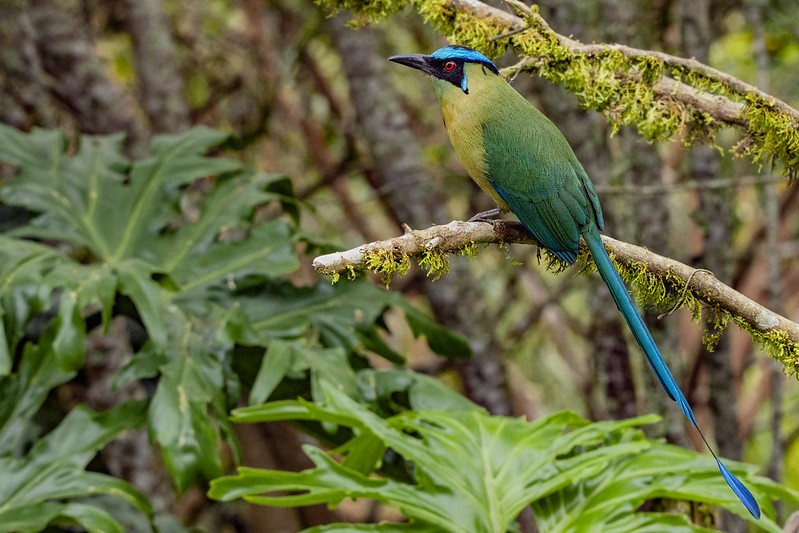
{"type": "Point", "coordinates": [489, 216]}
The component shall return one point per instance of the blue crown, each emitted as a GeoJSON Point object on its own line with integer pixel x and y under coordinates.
{"type": "Point", "coordinates": [462, 52]}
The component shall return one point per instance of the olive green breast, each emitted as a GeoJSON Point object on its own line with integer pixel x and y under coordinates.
{"type": "Point", "coordinates": [465, 116]}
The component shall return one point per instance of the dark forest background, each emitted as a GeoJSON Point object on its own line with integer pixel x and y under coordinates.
{"type": "Point", "coordinates": [356, 149]}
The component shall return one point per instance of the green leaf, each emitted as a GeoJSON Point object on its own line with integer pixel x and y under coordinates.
{"type": "Point", "coordinates": [283, 310]}
{"type": "Point", "coordinates": [609, 500]}
{"type": "Point", "coordinates": [276, 363]}
{"type": "Point", "coordinates": [192, 386]}
{"type": "Point", "coordinates": [69, 345]}
{"type": "Point", "coordinates": [267, 251]}
{"type": "Point", "coordinates": [475, 473]}
{"type": "Point", "coordinates": [297, 358]}
{"type": "Point", "coordinates": [67, 191]}
{"type": "Point", "coordinates": [136, 282]}
{"type": "Point", "coordinates": [23, 262]}
{"type": "Point", "coordinates": [29, 518]}
{"type": "Point", "coordinates": [343, 315]}
{"type": "Point", "coordinates": [53, 471]}
{"type": "Point", "coordinates": [382, 527]}
{"type": "Point", "coordinates": [229, 205]}
{"type": "Point", "coordinates": [92, 518]}
{"type": "Point", "coordinates": [5, 352]}
{"type": "Point", "coordinates": [372, 341]}
{"type": "Point", "coordinates": [145, 364]}
{"type": "Point", "coordinates": [127, 233]}
{"type": "Point", "coordinates": [37, 516]}
{"type": "Point", "coordinates": [177, 160]}
{"type": "Point", "coordinates": [397, 390]}
{"type": "Point", "coordinates": [22, 394]}
{"type": "Point", "coordinates": [441, 340]}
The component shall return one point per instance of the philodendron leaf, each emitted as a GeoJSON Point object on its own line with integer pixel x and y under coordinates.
{"type": "Point", "coordinates": [609, 500]}
{"type": "Point", "coordinates": [397, 390]}
{"type": "Point", "coordinates": [441, 340]}
{"type": "Point", "coordinates": [121, 210]}
{"type": "Point", "coordinates": [187, 414]}
{"type": "Point", "coordinates": [475, 473]}
{"type": "Point", "coordinates": [35, 279]}
{"type": "Point", "coordinates": [5, 350]}
{"type": "Point", "coordinates": [383, 527]}
{"type": "Point", "coordinates": [339, 314]}
{"type": "Point", "coordinates": [23, 392]}
{"type": "Point", "coordinates": [267, 251]}
{"type": "Point", "coordinates": [134, 241]}
{"type": "Point", "coordinates": [39, 487]}
{"type": "Point", "coordinates": [90, 517]}
{"type": "Point", "coordinates": [277, 362]}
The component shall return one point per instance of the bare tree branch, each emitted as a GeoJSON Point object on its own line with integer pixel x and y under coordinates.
{"type": "Point", "coordinates": [458, 236]}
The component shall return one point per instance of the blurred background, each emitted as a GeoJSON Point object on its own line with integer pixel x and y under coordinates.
{"type": "Point", "coordinates": [307, 95]}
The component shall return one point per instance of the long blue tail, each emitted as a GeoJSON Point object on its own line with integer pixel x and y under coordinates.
{"type": "Point", "coordinates": [641, 333]}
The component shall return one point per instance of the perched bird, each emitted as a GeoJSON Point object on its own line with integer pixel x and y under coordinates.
{"type": "Point", "coordinates": [525, 164]}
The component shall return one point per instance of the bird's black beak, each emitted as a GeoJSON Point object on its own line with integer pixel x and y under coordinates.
{"type": "Point", "coordinates": [417, 61]}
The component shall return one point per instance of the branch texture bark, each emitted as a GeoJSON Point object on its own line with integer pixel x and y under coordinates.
{"type": "Point", "coordinates": [720, 106]}
{"type": "Point", "coordinates": [665, 96]}
{"type": "Point", "coordinates": [779, 334]}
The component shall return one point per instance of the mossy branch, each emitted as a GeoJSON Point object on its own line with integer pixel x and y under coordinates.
{"type": "Point", "coordinates": [657, 280]}
{"type": "Point", "coordinates": [664, 96]}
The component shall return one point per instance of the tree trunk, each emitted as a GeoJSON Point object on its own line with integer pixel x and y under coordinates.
{"type": "Point", "coordinates": [77, 76]}
{"type": "Point", "coordinates": [23, 82]}
{"type": "Point", "coordinates": [158, 76]}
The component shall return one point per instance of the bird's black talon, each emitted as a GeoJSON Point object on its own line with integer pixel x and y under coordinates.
{"type": "Point", "coordinates": [489, 216]}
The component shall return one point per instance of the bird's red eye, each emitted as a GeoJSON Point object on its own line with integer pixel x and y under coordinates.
{"type": "Point", "coordinates": [449, 65]}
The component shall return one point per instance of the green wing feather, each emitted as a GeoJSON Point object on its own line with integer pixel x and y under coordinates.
{"type": "Point", "coordinates": [538, 175]}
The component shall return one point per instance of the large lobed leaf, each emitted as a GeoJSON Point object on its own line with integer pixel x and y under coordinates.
{"type": "Point", "coordinates": [126, 237]}
{"type": "Point", "coordinates": [41, 486]}
{"type": "Point", "coordinates": [200, 279]}
{"type": "Point", "coordinates": [475, 473]}
{"type": "Point", "coordinates": [187, 414]}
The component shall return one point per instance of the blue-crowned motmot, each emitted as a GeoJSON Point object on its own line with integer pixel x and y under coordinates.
{"type": "Point", "coordinates": [525, 164]}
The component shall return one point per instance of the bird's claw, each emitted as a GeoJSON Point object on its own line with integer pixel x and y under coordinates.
{"type": "Point", "coordinates": [489, 216]}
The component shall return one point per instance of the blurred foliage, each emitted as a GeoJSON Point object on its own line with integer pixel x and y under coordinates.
{"type": "Point", "coordinates": [466, 471]}
{"type": "Point", "coordinates": [111, 237]}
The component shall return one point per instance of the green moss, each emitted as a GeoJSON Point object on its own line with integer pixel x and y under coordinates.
{"type": "Point", "coordinates": [335, 275]}
{"type": "Point", "coordinates": [778, 345]}
{"type": "Point", "coordinates": [619, 87]}
{"type": "Point", "coordinates": [332, 274]}
{"type": "Point", "coordinates": [435, 263]}
{"type": "Point", "coordinates": [717, 321]}
{"type": "Point", "coordinates": [469, 249]}
{"type": "Point", "coordinates": [772, 135]}
{"type": "Point", "coordinates": [462, 28]}
{"type": "Point", "coordinates": [551, 262]}
{"type": "Point", "coordinates": [365, 11]}
{"type": "Point", "coordinates": [387, 263]}
{"type": "Point", "coordinates": [390, 263]}
{"type": "Point", "coordinates": [668, 292]}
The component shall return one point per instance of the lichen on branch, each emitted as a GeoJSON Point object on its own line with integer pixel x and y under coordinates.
{"type": "Point", "coordinates": [664, 96]}
{"type": "Point", "coordinates": [657, 281]}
